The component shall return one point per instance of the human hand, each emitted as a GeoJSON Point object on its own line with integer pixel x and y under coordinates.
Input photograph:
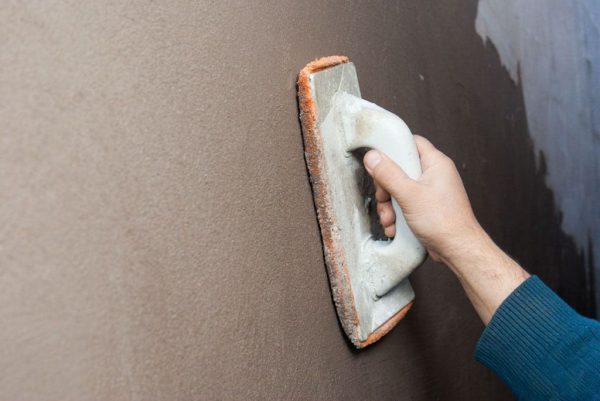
{"type": "Point", "coordinates": [438, 211]}
{"type": "Point", "coordinates": [436, 206]}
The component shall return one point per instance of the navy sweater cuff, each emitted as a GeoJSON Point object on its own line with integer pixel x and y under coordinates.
{"type": "Point", "coordinates": [532, 340]}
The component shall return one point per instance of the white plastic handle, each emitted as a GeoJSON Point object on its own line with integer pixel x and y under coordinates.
{"type": "Point", "coordinates": [368, 125]}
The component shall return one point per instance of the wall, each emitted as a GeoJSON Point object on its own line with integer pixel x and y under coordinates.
{"type": "Point", "coordinates": [158, 236]}
{"type": "Point", "coordinates": [552, 48]}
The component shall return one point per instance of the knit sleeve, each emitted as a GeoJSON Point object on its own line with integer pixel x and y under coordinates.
{"type": "Point", "coordinates": [541, 348]}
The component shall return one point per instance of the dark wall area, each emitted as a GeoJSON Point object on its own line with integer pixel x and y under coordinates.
{"type": "Point", "coordinates": [158, 237]}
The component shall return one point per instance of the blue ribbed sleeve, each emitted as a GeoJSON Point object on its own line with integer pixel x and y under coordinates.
{"type": "Point", "coordinates": [541, 348]}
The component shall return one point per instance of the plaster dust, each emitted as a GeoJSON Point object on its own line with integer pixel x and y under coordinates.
{"type": "Point", "coordinates": [158, 236]}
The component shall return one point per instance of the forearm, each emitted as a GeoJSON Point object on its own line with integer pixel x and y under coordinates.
{"type": "Point", "coordinates": [486, 273]}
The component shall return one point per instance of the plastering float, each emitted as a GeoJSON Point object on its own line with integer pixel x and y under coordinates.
{"type": "Point", "coordinates": [368, 277]}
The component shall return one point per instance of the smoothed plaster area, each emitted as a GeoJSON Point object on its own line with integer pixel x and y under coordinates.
{"type": "Point", "coordinates": [552, 49]}
{"type": "Point", "coordinates": [158, 237]}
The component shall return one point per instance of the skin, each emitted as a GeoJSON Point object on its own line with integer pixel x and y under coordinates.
{"type": "Point", "coordinates": [438, 211]}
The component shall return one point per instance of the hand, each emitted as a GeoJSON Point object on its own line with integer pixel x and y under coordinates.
{"type": "Point", "coordinates": [437, 209]}
{"type": "Point", "coordinates": [436, 206]}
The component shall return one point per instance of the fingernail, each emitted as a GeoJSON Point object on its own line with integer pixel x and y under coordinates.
{"type": "Point", "coordinates": [372, 159]}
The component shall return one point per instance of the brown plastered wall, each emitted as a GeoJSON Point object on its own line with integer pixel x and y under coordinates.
{"type": "Point", "coordinates": [158, 239]}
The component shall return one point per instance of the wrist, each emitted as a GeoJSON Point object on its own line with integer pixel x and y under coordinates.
{"type": "Point", "coordinates": [473, 247]}
{"type": "Point", "coordinates": [480, 256]}
{"type": "Point", "coordinates": [487, 273]}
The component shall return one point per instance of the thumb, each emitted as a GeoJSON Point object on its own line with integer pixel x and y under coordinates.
{"type": "Point", "coordinates": [390, 176]}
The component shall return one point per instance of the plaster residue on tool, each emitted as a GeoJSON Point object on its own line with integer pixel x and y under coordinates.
{"type": "Point", "coordinates": [368, 277]}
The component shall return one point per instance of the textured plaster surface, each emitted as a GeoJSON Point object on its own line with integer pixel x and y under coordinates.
{"type": "Point", "coordinates": [158, 236]}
